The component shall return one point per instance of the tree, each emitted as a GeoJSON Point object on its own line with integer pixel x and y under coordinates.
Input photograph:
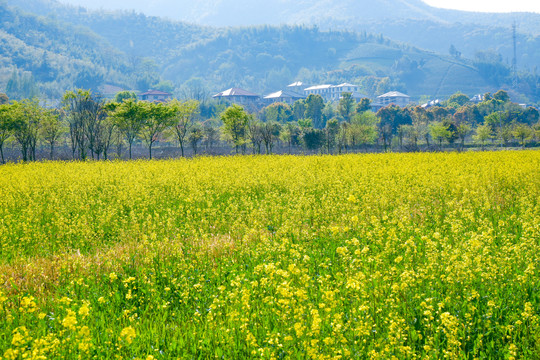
{"type": "Point", "coordinates": [312, 139]}
{"type": "Point", "coordinates": [26, 121]}
{"type": "Point", "coordinates": [6, 126]}
{"type": "Point", "coordinates": [420, 122]}
{"type": "Point", "coordinates": [331, 131]}
{"type": "Point", "coordinates": [289, 134]}
{"type": "Point", "coordinates": [530, 116]}
{"type": "Point", "coordinates": [363, 105]}
{"type": "Point", "coordinates": [157, 117]}
{"type": "Point", "coordinates": [483, 133]}
{"type": "Point", "coordinates": [129, 117]}
{"type": "Point", "coordinates": [124, 95]}
{"type": "Point", "coordinates": [522, 132]}
{"type": "Point", "coordinates": [270, 133]}
{"type": "Point", "coordinates": [346, 106]}
{"type": "Point", "coordinates": [439, 132]}
{"type": "Point", "coordinates": [4, 99]}
{"type": "Point", "coordinates": [108, 133]}
{"type": "Point", "coordinates": [255, 134]}
{"type": "Point", "coordinates": [362, 129]}
{"type": "Point", "coordinates": [314, 110]}
{"type": "Point", "coordinates": [85, 114]}
{"type": "Point", "coordinates": [501, 95]}
{"type": "Point", "coordinates": [51, 130]}
{"type": "Point", "coordinates": [211, 134]}
{"type": "Point", "coordinates": [459, 99]}
{"type": "Point", "coordinates": [278, 112]}
{"type": "Point", "coordinates": [451, 127]}
{"type": "Point", "coordinates": [462, 130]}
{"type": "Point", "coordinates": [196, 134]}
{"type": "Point", "coordinates": [185, 114]}
{"type": "Point", "coordinates": [298, 110]}
{"type": "Point", "coordinates": [391, 117]}
{"type": "Point", "coordinates": [235, 121]}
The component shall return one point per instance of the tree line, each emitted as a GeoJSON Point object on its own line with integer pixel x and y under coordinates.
{"type": "Point", "coordinates": [92, 127]}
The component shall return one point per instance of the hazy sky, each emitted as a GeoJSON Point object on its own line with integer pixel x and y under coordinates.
{"type": "Point", "coordinates": [488, 5]}
{"type": "Point", "coordinates": [472, 5]}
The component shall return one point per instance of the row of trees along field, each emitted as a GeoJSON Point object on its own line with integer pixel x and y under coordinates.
{"type": "Point", "coordinates": [90, 127]}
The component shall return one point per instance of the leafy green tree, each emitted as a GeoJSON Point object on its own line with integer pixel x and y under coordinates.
{"type": "Point", "coordinates": [439, 132]}
{"type": "Point", "coordinates": [451, 127]}
{"type": "Point", "coordinates": [530, 116]}
{"type": "Point", "coordinates": [255, 134]}
{"type": "Point", "coordinates": [289, 134]}
{"type": "Point", "coordinates": [185, 114]}
{"type": "Point", "coordinates": [420, 120]}
{"type": "Point", "coordinates": [157, 118]}
{"type": "Point", "coordinates": [312, 139]}
{"type": "Point", "coordinates": [211, 134]}
{"type": "Point", "coordinates": [463, 129]}
{"type": "Point", "coordinates": [501, 95]}
{"type": "Point", "coordinates": [108, 135]}
{"type": "Point", "coordinates": [6, 126]}
{"type": "Point", "coordinates": [85, 114]}
{"type": "Point", "coordinates": [165, 86]}
{"type": "Point", "coordinates": [278, 112]}
{"type": "Point", "coordinates": [363, 105]}
{"type": "Point", "coordinates": [51, 130]}
{"type": "Point", "coordinates": [346, 106]}
{"type": "Point", "coordinates": [26, 122]}
{"type": "Point", "coordinates": [457, 100]}
{"type": "Point", "coordinates": [314, 110]}
{"type": "Point", "coordinates": [341, 137]}
{"type": "Point", "coordinates": [124, 95]}
{"type": "Point", "coordinates": [196, 134]}
{"type": "Point", "coordinates": [522, 132]}
{"type": "Point", "coordinates": [391, 117]}
{"type": "Point", "coordinates": [270, 133]}
{"type": "Point", "coordinates": [129, 117]}
{"type": "Point", "coordinates": [298, 110]}
{"type": "Point", "coordinates": [363, 129]}
{"type": "Point", "coordinates": [235, 122]}
{"type": "Point", "coordinates": [4, 99]}
{"type": "Point", "coordinates": [483, 134]}
{"type": "Point", "coordinates": [331, 131]}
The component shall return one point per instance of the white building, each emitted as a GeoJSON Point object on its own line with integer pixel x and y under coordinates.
{"type": "Point", "coordinates": [334, 92]}
{"type": "Point", "coordinates": [284, 96]}
{"type": "Point", "coordinates": [394, 97]}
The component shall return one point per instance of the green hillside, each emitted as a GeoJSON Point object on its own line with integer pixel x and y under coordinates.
{"type": "Point", "coordinates": [58, 55]}
{"type": "Point", "coordinates": [135, 51]}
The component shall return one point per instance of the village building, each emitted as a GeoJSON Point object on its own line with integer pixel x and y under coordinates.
{"type": "Point", "coordinates": [238, 96]}
{"type": "Point", "coordinates": [335, 92]}
{"type": "Point", "coordinates": [155, 96]}
{"type": "Point", "coordinates": [297, 87]}
{"type": "Point", "coordinates": [284, 96]}
{"type": "Point", "coordinates": [392, 97]}
{"type": "Point", "coordinates": [477, 99]}
{"type": "Point", "coordinates": [431, 103]}
{"type": "Point", "coordinates": [322, 90]}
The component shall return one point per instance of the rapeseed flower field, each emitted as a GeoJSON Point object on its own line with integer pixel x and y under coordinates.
{"type": "Point", "coordinates": [391, 256]}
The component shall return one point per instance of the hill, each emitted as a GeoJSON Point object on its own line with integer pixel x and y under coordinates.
{"type": "Point", "coordinates": [54, 56]}
{"type": "Point", "coordinates": [406, 20]}
{"type": "Point", "coordinates": [131, 50]}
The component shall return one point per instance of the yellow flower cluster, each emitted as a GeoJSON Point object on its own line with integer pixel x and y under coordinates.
{"type": "Point", "coordinates": [390, 256]}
